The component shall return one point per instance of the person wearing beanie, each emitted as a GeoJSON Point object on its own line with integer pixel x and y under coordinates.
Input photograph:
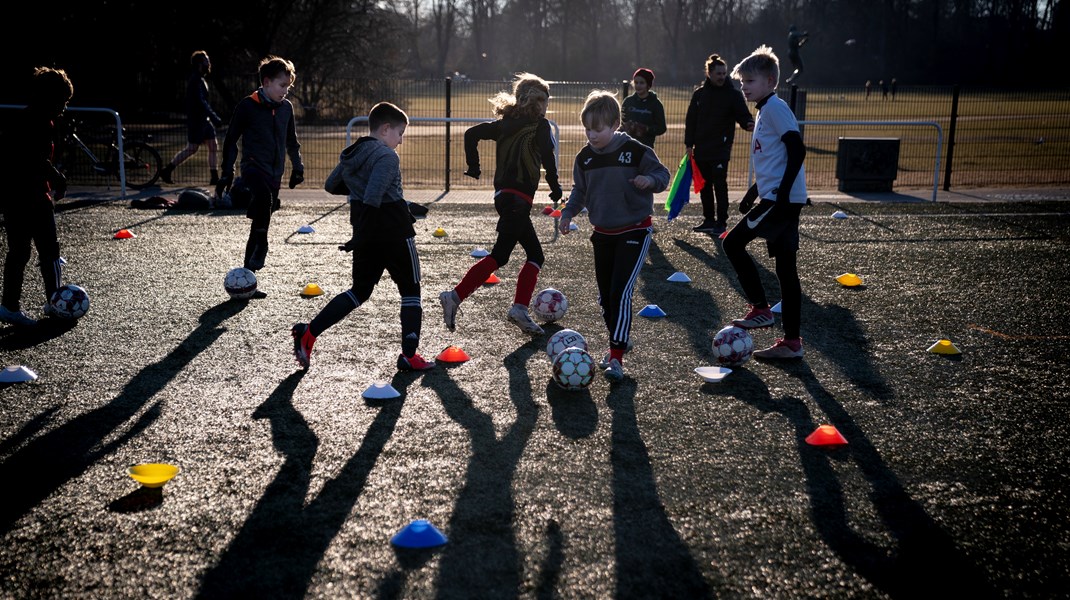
{"type": "Point", "coordinates": [643, 114]}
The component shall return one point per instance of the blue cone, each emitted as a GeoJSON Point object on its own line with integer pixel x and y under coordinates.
{"type": "Point", "coordinates": [651, 310]}
{"type": "Point", "coordinates": [419, 534]}
{"type": "Point", "coordinates": [776, 308]}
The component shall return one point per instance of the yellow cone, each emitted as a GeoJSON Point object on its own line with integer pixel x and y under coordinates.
{"type": "Point", "coordinates": [440, 232]}
{"type": "Point", "coordinates": [312, 290]}
{"type": "Point", "coordinates": [849, 280]}
{"type": "Point", "coordinates": [944, 347]}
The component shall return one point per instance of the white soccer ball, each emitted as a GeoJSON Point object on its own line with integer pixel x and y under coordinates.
{"type": "Point", "coordinates": [573, 369]}
{"type": "Point", "coordinates": [562, 340]}
{"type": "Point", "coordinates": [240, 283]}
{"type": "Point", "coordinates": [732, 346]}
{"type": "Point", "coordinates": [549, 305]}
{"type": "Point", "coordinates": [70, 302]}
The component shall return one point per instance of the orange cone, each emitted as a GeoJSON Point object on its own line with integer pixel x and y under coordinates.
{"type": "Point", "coordinates": [826, 435]}
{"type": "Point", "coordinates": [555, 214]}
{"type": "Point", "coordinates": [452, 354]}
{"type": "Point", "coordinates": [124, 234]}
{"type": "Point", "coordinates": [492, 280]}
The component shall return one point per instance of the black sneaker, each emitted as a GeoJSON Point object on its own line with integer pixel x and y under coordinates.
{"type": "Point", "coordinates": [165, 174]}
{"type": "Point", "coordinates": [706, 227]}
{"type": "Point", "coordinates": [718, 229]}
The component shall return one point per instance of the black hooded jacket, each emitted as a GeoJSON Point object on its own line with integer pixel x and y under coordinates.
{"type": "Point", "coordinates": [710, 125]}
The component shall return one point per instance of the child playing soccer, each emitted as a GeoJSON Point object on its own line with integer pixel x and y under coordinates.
{"type": "Point", "coordinates": [524, 144]}
{"type": "Point", "coordinates": [29, 212]}
{"type": "Point", "coordinates": [615, 177]}
{"type": "Point", "coordinates": [777, 151]}
{"type": "Point", "coordinates": [383, 236]}
{"type": "Point", "coordinates": [264, 122]}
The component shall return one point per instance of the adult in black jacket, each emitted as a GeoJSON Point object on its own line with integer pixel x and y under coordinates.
{"type": "Point", "coordinates": [709, 130]}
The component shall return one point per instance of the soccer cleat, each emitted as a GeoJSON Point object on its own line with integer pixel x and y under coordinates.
{"type": "Point", "coordinates": [303, 341]}
{"type": "Point", "coordinates": [756, 318]}
{"type": "Point", "coordinates": [519, 315]}
{"type": "Point", "coordinates": [705, 227]}
{"type": "Point", "coordinates": [414, 363]}
{"type": "Point", "coordinates": [718, 229]}
{"type": "Point", "coordinates": [165, 173]}
{"type": "Point", "coordinates": [782, 349]}
{"type": "Point", "coordinates": [604, 363]}
{"type": "Point", "coordinates": [614, 371]}
{"type": "Point", "coordinates": [451, 304]}
{"type": "Point", "coordinates": [15, 317]}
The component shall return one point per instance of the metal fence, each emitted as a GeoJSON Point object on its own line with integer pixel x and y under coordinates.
{"type": "Point", "coordinates": [992, 138]}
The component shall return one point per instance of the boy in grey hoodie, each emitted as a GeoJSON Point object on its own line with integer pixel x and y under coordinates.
{"type": "Point", "coordinates": [369, 172]}
{"type": "Point", "coordinates": [615, 178]}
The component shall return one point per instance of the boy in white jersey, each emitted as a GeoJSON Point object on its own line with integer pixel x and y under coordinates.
{"type": "Point", "coordinates": [777, 151]}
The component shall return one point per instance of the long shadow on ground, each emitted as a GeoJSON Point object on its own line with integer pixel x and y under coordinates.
{"type": "Point", "coordinates": [71, 448]}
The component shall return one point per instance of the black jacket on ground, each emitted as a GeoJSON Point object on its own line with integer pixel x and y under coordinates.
{"type": "Point", "coordinates": [712, 115]}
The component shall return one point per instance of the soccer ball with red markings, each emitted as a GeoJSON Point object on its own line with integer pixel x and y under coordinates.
{"type": "Point", "coordinates": [549, 305]}
{"type": "Point", "coordinates": [573, 369]}
{"type": "Point", "coordinates": [562, 340]}
{"type": "Point", "coordinates": [732, 346]}
{"type": "Point", "coordinates": [240, 283]}
{"type": "Point", "coordinates": [70, 302]}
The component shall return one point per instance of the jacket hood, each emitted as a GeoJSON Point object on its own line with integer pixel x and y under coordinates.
{"type": "Point", "coordinates": [361, 151]}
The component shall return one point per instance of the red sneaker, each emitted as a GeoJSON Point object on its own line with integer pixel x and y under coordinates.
{"type": "Point", "coordinates": [757, 317]}
{"type": "Point", "coordinates": [782, 349]}
{"type": "Point", "coordinates": [414, 363]}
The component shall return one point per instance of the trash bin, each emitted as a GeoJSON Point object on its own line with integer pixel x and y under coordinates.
{"type": "Point", "coordinates": [867, 164]}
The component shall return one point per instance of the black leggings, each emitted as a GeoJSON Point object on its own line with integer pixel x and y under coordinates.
{"type": "Point", "coordinates": [35, 226]}
{"type": "Point", "coordinates": [515, 227]}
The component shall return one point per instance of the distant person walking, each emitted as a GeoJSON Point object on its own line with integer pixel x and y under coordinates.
{"type": "Point", "coordinates": [35, 184]}
{"type": "Point", "coordinates": [884, 90]}
{"type": "Point", "coordinates": [709, 131]}
{"type": "Point", "coordinates": [796, 39]}
{"type": "Point", "coordinates": [201, 120]}
{"type": "Point", "coordinates": [869, 88]}
{"type": "Point", "coordinates": [643, 114]}
{"type": "Point", "coordinates": [893, 88]}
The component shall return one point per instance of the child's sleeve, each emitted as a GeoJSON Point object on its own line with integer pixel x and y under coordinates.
{"type": "Point", "coordinates": [658, 126]}
{"type": "Point", "coordinates": [548, 151]}
{"type": "Point", "coordinates": [472, 135]}
{"type": "Point", "coordinates": [577, 198]}
{"type": "Point", "coordinates": [237, 127]}
{"type": "Point", "coordinates": [293, 147]}
{"type": "Point", "coordinates": [651, 166]}
{"type": "Point", "coordinates": [383, 172]}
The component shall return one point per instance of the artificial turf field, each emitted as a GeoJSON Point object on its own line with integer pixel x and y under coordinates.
{"type": "Point", "coordinates": [954, 481]}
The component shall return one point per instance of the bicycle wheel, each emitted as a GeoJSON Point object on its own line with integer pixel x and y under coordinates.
{"type": "Point", "coordinates": [142, 163]}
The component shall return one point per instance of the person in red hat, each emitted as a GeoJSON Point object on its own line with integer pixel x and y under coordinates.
{"type": "Point", "coordinates": [642, 113]}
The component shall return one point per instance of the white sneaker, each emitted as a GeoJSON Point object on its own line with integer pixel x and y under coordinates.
{"type": "Point", "coordinates": [518, 314]}
{"type": "Point", "coordinates": [604, 363]}
{"type": "Point", "coordinates": [615, 371]}
{"type": "Point", "coordinates": [15, 317]}
{"type": "Point", "coordinates": [451, 303]}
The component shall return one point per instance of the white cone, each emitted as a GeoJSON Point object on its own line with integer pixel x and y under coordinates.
{"type": "Point", "coordinates": [679, 276]}
{"type": "Point", "coordinates": [480, 252]}
{"type": "Point", "coordinates": [381, 390]}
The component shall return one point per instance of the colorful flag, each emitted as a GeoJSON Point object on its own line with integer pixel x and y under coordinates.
{"type": "Point", "coordinates": [679, 193]}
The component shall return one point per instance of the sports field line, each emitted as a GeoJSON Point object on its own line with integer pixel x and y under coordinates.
{"type": "Point", "coordinates": [1007, 336]}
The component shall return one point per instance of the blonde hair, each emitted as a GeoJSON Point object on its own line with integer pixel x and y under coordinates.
{"type": "Point", "coordinates": [600, 109]}
{"type": "Point", "coordinates": [761, 62]}
{"type": "Point", "coordinates": [530, 95]}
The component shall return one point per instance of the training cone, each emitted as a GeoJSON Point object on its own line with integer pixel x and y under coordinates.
{"type": "Point", "coordinates": [722, 236]}
{"type": "Point", "coordinates": [555, 214]}
{"type": "Point", "coordinates": [826, 435]}
{"type": "Point", "coordinates": [452, 354]}
{"type": "Point", "coordinates": [776, 308]}
{"type": "Point", "coordinates": [652, 310]}
{"type": "Point", "coordinates": [17, 374]}
{"type": "Point", "coordinates": [311, 290]}
{"type": "Point", "coordinates": [306, 229]}
{"type": "Point", "coordinates": [418, 534]}
{"type": "Point", "coordinates": [839, 215]}
{"type": "Point", "coordinates": [440, 232]}
{"type": "Point", "coordinates": [152, 475]}
{"type": "Point", "coordinates": [849, 280]}
{"type": "Point", "coordinates": [124, 234]}
{"type": "Point", "coordinates": [492, 280]}
{"type": "Point", "coordinates": [547, 209]}
{"type": "Point", "coordinates": [381, 390]}
{"type": "Point", "coordinates": [679, 277]}
{"type": "Point", "coordinates": [713, 374]}
{"type": "Point", "coordinates": [480, 252]}
{"type": "Point", "coordinates": [944, 347]}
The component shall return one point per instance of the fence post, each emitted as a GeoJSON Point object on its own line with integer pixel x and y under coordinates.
{"type": "Point", "coordinates": [449, 113]}
{"type": "Point", "coordinates": [951, 137]}
{"type": "Point", "coordinates": [624, 87]}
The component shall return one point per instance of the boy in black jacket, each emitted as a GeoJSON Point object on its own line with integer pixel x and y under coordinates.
{"type": "Point", "coordinates": [264, 121]}
{"type": "Point", "coordinates": [383, 237]}
{"type": "Point", "coordinates": [709, 131]}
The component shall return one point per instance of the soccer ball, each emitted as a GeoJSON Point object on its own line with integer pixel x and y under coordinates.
{"type": "Point", "coordinates": [549, 305]}
{"type": "Point", "coordinates": [573, 369]}
{"type": "Point", "coordinates": [70, 302]}
{"type": "Point", "coordinates": [732, 346]}
{"type": "Point", "coordinates": [562, 340]}
{"type": "Point", "coordinates": [240, 283]}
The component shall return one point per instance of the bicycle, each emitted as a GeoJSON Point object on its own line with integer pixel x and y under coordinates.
{"type": "Point", "coordinates": [141, 161]}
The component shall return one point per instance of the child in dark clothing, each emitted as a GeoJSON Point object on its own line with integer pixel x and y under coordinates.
{"type": "Point", "coordinates": [264, 121]}
{"type": "Point", "coordinates": [383, 236]}
{"type": "Point", "coordinates": [29, 212]}
{"type": "Point", "coordinates": [615, 178]}
{"type": "Point", "coordinates": [524, 144]}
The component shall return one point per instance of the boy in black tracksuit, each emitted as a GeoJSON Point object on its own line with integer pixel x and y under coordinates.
{"type": "Point", "coordinates": [709, 130]}
{"type": "Point", "coordinates": [369, 171]}
{"type": "Point", "coordinates": [264, 121]}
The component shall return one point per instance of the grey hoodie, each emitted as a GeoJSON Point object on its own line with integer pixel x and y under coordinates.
{"type": "Point", "coordinates": [369, 172]}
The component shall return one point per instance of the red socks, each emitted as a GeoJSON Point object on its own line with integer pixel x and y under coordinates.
{"type": "Point", "coordinates": [476, 276]}
{"type": "Point", "coordinates": [525, 283]}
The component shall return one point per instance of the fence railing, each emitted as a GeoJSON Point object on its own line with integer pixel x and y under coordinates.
{"type": "Point", "coordinates": [1001, 138]}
